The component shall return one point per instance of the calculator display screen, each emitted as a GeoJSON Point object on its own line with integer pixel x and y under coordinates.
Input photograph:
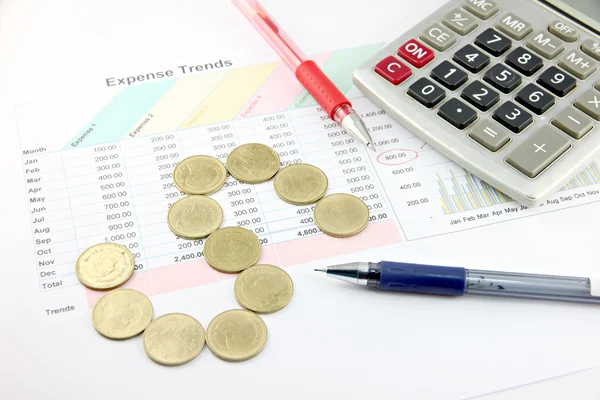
{"type": "Point", "coordinates": [585, 11]}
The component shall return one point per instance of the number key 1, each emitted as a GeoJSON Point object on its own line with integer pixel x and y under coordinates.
{"type": "Point", "coordinates": [502, 78]}
{"type": "Point", "coordinates": [449, 75]}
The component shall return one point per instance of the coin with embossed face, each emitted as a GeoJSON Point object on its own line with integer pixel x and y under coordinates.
{"type": "Point", "coordinates": [122, 314]}
{"type": "Point", "coordinates": [300, 184]}
{"type": "Point", "coordinates": [195, 217]}
{"type": "Point", "coordinates": [341, 215]}
{"type": "Point", "coordinates": [199, 175]}
{"type": "Point", "coordinates": [263, 288]}
{"type": "Point", "coordinates": [253, 163]}
{"type": "Point", "coordinates": [236, 335]}
{"type": "Point", "coordinates": [104, 266]}
{"type": "Point", "coordinates": [173, 339]}
{"type": "Point", "coordinates": [232, 249]}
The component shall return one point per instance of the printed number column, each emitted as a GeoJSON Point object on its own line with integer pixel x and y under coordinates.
{"type": "Point", "coordinates": [277, 131]}
{"type": "Point", "coordinates": [54, 238]}
{"type": "Point", "coordinates": [101, 200]}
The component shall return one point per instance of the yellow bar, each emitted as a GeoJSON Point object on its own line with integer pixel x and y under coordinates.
{"type": "Point", "coordinates": [489, 202]}
{"type": "Point", "coordinates": [460, 205]}
{"type": "Point", "coordinates": [230, 96]}
{"type": "Point", "coordinates": [177, 104]}
{"type": "Point", "coordinates": [475, 206]}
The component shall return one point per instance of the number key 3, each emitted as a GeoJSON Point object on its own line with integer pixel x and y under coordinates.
{"type": "Point", "coordinates": [513, 117]}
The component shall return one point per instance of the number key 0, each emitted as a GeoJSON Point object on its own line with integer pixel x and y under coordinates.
{"type": "Point", "coordinates": [426, 92]}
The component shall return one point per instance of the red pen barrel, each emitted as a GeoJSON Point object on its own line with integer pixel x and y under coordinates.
{"type": "Point", "coordinates": [320, 87]}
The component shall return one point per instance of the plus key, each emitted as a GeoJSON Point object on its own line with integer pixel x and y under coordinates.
{"type": "Point", "coordinates": [416, 53]}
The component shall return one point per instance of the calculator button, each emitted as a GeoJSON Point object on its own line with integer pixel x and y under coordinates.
{"type": "Point", "coordinates": [502, 78]}
{"type": "Point", "coordinates": [460, 21]}
{"type": "Point", "coordinates": [426, 92]}
{"type": "Point", "coordinates": [457, 113]}
{"type": "Point", "coordinates": [545, 45]}
{"type": "Point", "coordinates": [416, 53]}
{"type": "Point", "coordinates": [573, 122]}
{"type": "Point", "coordinates": [589, 103]}
{"type": "Point", "coordinates": [578, 64]}
{"type": "Point", "coordinates": [524, 61]}
{"type": "Point", "coordinates": [514, 26]}
{"type": "Point", "coordinates": [564, 31]}
{"type": "Point", "coordinates": [490, 135]}
{"type": "Point", "coordinates": [483, 9]}
{"type": "Point", "coordinates": [449, 75]}
{"type": "Point", "coordinates": [512, 117]}
{"type": "Point", "coordinates": [480, 95]}
{"type": "Point", "coordinates": [558, 82]}
{"type": "Point", "coordinates": [493, 42]}
{"type": "Point", "coordinates": [591, 47]}
{"type": "Point", "coordinates": [393, 70]}
{"type": "Point", "coordinates": [471, 58]}
{"type": "Point", "coordinates": [538, 151]}
{"type": "Point", "coordinates": [534, 98]}
{"type": "Point", "coordinates": [439, 37]}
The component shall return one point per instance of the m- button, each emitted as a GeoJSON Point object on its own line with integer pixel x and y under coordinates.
{"type": "Point", "coordinates": [416, 53]}
{"type": "Point", "coordinates": [538, 151]}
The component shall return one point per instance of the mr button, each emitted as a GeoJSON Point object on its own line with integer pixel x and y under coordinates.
{"type": "Point", "coordinates": [538, 151]}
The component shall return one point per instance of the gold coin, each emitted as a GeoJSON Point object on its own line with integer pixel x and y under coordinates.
{"type": "Point", "coordinates": [200, 175]}
{"type": "Point", "coordinates": [263, 288]}
{"type": "Point", "coordinates": [232, 249]}
{"type": "Point", "coordinates": [341, 215]}
{"type": "Point", "coordinates": [300, 184]}
{"type": "Point", "coordinates": [122, 314]}
{"type": "Point", "coordinates": [195, 217]}
{"type": "Point", "coordinates": [104, 266]}
{"type": "Point", "coordinates": [253, 163]}
{"type": "Point", "coordinates": [173, 339]}
{"type": "Point", "coordinates": [236, 335]}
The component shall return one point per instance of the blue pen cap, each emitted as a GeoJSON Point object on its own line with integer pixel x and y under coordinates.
{"type": "Point", "coordinates": [418, 278]}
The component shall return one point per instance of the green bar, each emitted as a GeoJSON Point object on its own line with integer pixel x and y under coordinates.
{"type": "Point", "coordinates": [339, 68]}
{"type": "Point", "coordinates": [120, 114]}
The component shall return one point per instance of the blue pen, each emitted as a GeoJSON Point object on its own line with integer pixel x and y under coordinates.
{"type": "Point", "coordinates": [455, 281]}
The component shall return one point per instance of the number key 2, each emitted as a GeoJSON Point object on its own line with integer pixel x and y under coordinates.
{"type": "Point", "coordinates": [558, 82]}
{"type": "Point", "coordinates": [502, 78]}
{"type": "Point", "coordinates": [480, 96]}
{"type": "Point", "coordinates": [426, 92]}
{"type": "Point", "coordinates": [471, 58]}
{"type": "Point", "coordinates": [513, 117]}
{"type": "Point", "coordinates": [534, 98]}
{"type": "Point", "coordinates": [449, 75]}
{"type": "Point", "coordinates": [524, 62]}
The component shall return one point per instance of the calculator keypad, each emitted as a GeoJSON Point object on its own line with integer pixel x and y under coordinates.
{"type": "Point", "coordinates": [449, 75]}
{"type": "Point", "coordinates": [493, 42]}
{"type": "Point", "coordinates": [524, 61]}
{"type": "Point", "coordinates": [471, 59]}
{"type": "Point", "coordinates": [501, 85]}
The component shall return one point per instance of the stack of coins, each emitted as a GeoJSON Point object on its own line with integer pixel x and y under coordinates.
{"type": "Point", "coordinates": [233, 335]}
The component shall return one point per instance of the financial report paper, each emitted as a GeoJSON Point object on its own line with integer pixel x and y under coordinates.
{"type": "Point", "coordinates": [94, 129]}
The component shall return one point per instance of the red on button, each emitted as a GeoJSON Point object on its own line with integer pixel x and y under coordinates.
{"type": "Point", "coordinates": [393, 70]}
{"type": "Point", "coordinates": [415, 53]}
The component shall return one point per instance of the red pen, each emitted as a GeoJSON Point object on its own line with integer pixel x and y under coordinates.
{"type": "Point", "coordinates": [333, 102]}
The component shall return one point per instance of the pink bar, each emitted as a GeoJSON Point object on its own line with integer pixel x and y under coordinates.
{"type": "Point", "coordinates": [183, 276]}
{"type": "Point", "coordinates": [282, 87]}
{"type": "Point", "coordinates": [377, 234]}
{"type": "Point", "coordinates": [307, 250]}
{"type": "Point", "coordinates": [139, 281]}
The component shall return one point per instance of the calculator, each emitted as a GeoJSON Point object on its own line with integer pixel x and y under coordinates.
{"type": "Point", "coordinates": [509, 90]}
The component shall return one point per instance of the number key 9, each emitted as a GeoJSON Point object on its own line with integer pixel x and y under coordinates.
{"type": "Point", "coordinates": [558, 82]}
